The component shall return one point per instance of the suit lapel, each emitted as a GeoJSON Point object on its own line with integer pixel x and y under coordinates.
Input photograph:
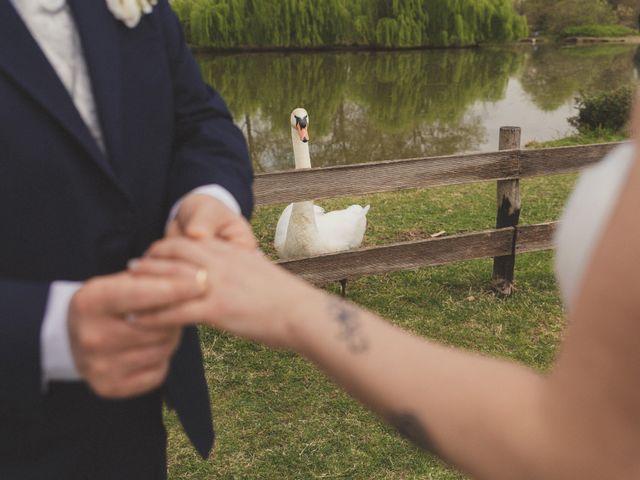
{"type": "Point", "coordinates": [23, 61]}
{"type": "Point", "coordinates": [98, 31]}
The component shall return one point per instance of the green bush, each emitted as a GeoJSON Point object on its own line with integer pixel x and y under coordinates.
{"type": "Point", "coordinates": [599, 31]}
{"type": "Point", "coordinates": [604, 110]}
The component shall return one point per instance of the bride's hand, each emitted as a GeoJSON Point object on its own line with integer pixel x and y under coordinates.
{"type": "Point", "coordinates": [246, 294]}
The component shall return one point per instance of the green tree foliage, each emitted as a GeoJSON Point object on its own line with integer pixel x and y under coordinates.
{"type": "Point", "coordinates": [628, 11]}
{"type": "Point", "coordinates": [379, 23]}
{"type": "Point", "coordinates": [554, 16]}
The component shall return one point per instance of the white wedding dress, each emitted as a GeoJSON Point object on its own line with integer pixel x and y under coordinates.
{"type": "Point", "coordinates": [586, 216]}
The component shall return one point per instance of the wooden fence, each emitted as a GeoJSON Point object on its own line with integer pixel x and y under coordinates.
{"type": "Point", "coordinates": [506, 167]}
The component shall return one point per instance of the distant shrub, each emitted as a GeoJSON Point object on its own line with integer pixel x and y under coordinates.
{"type": "Point", "coordinates": [599, 31]}
{"type": "Point", "coordinates": [604, 110]}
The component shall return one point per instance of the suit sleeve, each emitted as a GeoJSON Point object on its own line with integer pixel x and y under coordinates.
{"type": "Point", "coordinates": [208, 147]}
{"type": "Point", "coordinates": [22, 309]}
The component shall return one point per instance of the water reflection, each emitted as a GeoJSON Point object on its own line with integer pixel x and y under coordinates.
{"type": "Point", "coordinates": [376, 106]}
{"type": "Point", "coordinates": [554, 76]}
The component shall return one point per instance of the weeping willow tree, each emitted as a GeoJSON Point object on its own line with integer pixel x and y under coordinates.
{"type": "Point", "coordinates": [376, 23]}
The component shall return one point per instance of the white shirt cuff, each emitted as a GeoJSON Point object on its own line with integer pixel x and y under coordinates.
{"type": "Point", "coordinates": [56, 358]}
{"type": "Point", "coordinates": [215, 191]}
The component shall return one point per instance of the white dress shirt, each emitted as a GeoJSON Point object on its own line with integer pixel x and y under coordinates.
{"type": "Point", "coordinates": [52, 26]}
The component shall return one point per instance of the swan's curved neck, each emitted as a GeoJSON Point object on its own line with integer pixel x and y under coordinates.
{"type": "Point", "coordinates": [302, 232]}
{"type": "Point", "coordinates": [300, 151]}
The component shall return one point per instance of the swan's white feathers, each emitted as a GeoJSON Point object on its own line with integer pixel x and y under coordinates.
{"type": "Point", "coordinates": [338, 230]}
{"type": "Point", "coordinates": [306, 229]}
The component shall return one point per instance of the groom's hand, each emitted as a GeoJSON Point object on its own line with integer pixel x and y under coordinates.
{"type": "Point", "coordinates": [117, 358]}
{"type": "Point", "coordinates": [202, 217]}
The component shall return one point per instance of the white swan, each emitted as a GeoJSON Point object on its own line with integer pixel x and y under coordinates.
{"type": "Point", "coordinates": [305, 229]}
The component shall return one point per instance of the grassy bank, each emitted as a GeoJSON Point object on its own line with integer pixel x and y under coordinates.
{"type": "Point", "coordinates": [582, 138]}
{"type": "Point", "coordinates": [599, 31]}
{"type": "Point", "coordinates": [277, 417]}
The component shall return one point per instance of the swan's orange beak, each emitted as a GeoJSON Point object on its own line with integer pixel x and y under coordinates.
{"type": "Point", "coordinates": [304, 133]}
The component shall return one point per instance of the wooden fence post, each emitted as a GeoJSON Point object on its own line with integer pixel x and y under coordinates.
{"type": "Point", "coordinates": [508, 216]}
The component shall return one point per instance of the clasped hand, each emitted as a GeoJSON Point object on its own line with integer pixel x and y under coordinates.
{"type": "Point", "coordinates": [119, 357]}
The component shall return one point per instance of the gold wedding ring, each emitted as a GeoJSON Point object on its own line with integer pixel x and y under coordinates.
{"type": "Point", "coordinates": [202, 277]}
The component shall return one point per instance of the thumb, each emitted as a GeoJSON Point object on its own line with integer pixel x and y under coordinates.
{"type": "Point", "coordinates": [202, 224]}
{"type": "Point", "coordinates": [173, 230]}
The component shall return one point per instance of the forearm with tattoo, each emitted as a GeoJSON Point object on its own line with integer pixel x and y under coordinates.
{"type": "Point", "coordinates": [350, 326]}
{"type": "Point", "coordinates": [409, 426]}
{"type": "Point", "coordinates": [351, 332]}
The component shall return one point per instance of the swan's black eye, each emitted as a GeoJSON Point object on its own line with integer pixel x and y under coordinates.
{"type": "Point", "coordinates": [302, 122]}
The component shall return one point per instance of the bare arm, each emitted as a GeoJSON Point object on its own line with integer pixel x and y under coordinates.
{"type": "Point", "coordinates": [490, 418]}
{"type": "Point", "coordinates": [494, 419]}
{"type": "Point", "coordinates": [466, 408]}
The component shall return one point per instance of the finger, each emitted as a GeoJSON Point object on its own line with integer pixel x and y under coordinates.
{"type": "Point", "coordinates": [181, 315]}
{"type": "Point", "coordinates": [162, 268]}
{"type": "Point", "coordinates": [116, 335]}
{"type": "Point", "coordinates": [139, 360]}
{"type": "Point", "coordinates": [112, 367]}
{"type": "Point", "coordinates": [205, 221]}
{"type": "Point", "coordinates": [196, 253]}
{"type": "Point", "coordinates": [240, 234]}
{"type": "Point", "coordinates": [125, 293]}
{"type": "Point", "coordinates": [146, 6]}
{"type": "Point", "coordinates": [173, 230]}
{"type": "Point", "coordinates": [138, 336]}
{"type": "Point", "coordinates": [133, 385]}
{"type": "Point", "coordinates": [147, 380]}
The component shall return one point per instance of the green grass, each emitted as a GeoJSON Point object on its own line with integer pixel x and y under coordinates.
{"type": "Point", "coordinates": [582, 138]}
{"type": "Point", "coordinates": [599, 31]}
{"type": "Point", "coordinates": [277, 417]}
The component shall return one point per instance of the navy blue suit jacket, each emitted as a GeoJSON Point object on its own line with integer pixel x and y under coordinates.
{"type": "Point", "coordinates": [70, 212]}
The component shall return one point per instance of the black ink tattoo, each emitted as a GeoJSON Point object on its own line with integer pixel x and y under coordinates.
{"type": "Point", "coordinates": [410, 428]}
{"type": "Point", "coordinates": [350, 329]}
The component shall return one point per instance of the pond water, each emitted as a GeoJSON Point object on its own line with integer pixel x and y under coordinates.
{"type": "Point", "coordinates": [373, 106]}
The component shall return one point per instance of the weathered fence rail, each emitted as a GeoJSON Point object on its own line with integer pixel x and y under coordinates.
{"type": "Point", "coordinates": [395, 175]}
{"type": "Point", "coordinates": [505, 167]}
{"type": "Point", "coordinates": [422, 253]}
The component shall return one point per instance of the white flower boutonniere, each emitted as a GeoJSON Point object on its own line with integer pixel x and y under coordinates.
{"type": "Point", "coordinates": [130, 11]}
